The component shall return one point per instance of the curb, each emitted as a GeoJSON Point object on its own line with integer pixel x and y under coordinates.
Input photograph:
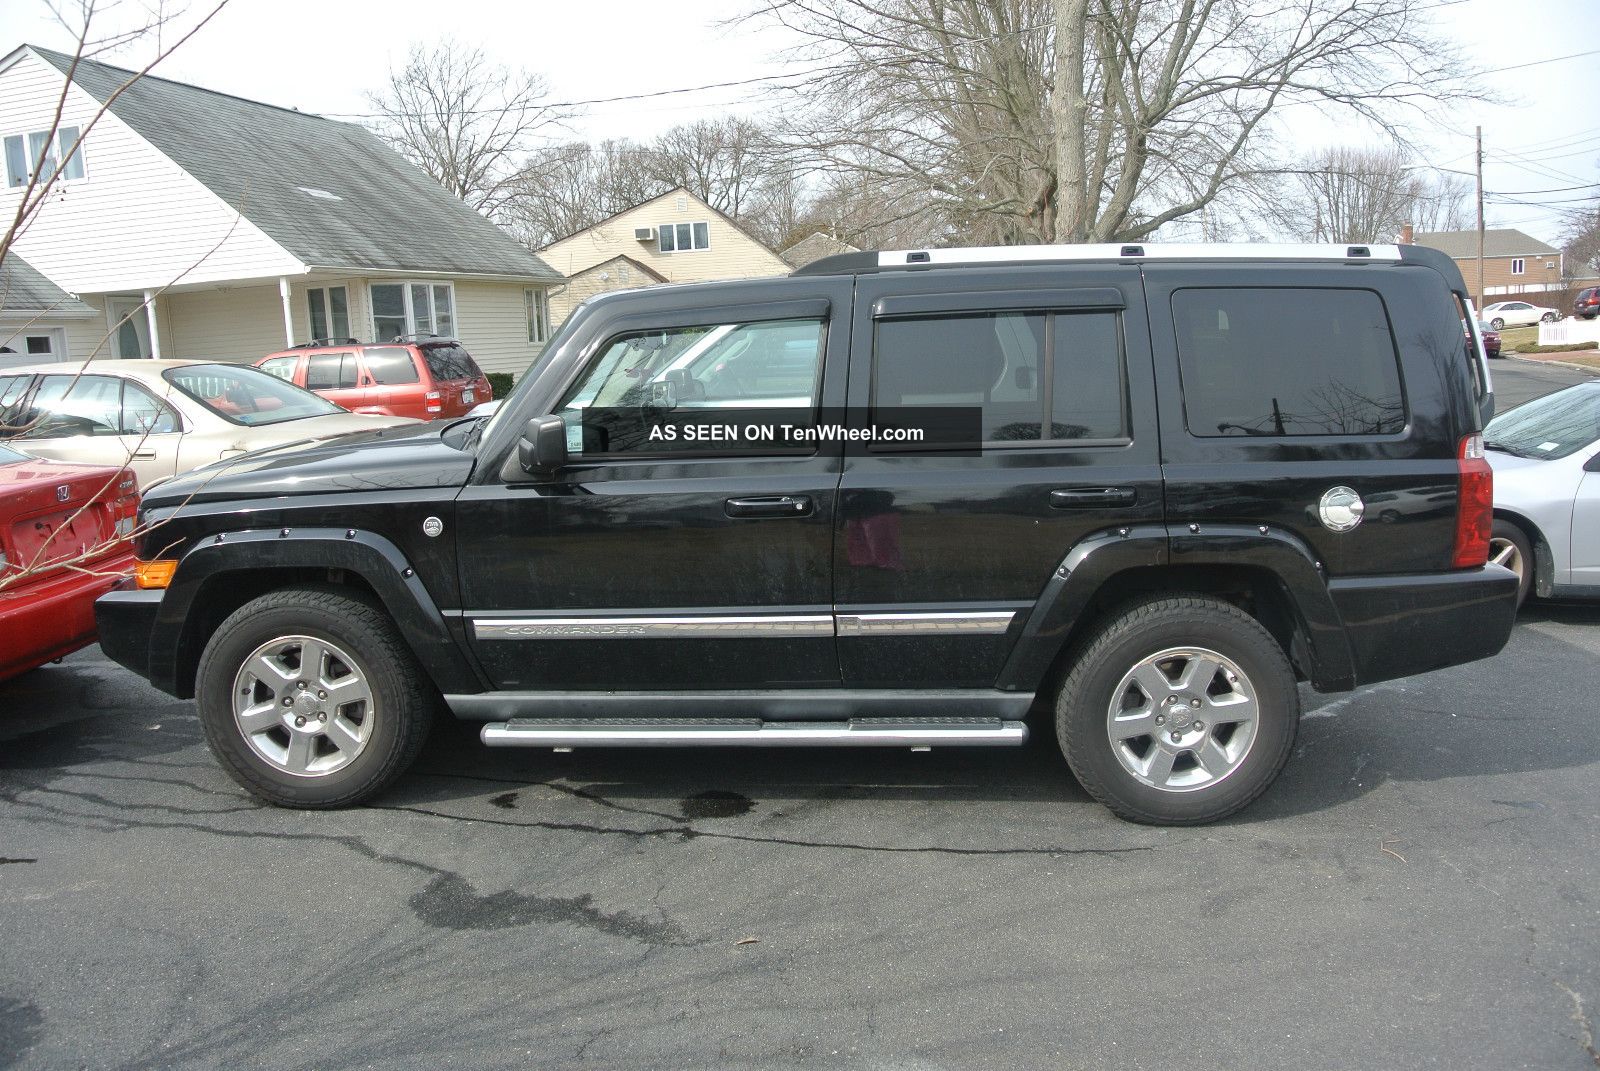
{"type": "Point", "coordinates": [1558, 364]}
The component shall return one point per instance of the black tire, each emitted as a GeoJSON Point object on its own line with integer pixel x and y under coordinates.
{"type": "Point", "coordinates": [1497, 323]}
{"type": "Point", "coordinates": [402, 706]}
{"type": "Point", "coordinates": [1139, 631]}
{"type": "Point", "coordinates": [1511, 545]}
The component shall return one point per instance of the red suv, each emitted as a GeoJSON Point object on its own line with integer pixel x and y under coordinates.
{"type": "Point", "coordinates": [1586, 306]}
{"type": "Point", "coordinates": [427, 377]}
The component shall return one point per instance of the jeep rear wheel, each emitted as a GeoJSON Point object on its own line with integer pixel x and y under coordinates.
{"type": "Point", "coordinates": [310, 698]}
{"type": "Point", "coordinates": [1178, 711]}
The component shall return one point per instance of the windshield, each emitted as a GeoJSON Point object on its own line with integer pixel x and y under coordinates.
{"type": "Point", "coordinates": [1549, 427]}
{"type": "Point", "coordinates": [243, 395]}
{"type": "Point", "coordinates": [524, 382]}
{"type": "Point", "coordinates": [9, 456]}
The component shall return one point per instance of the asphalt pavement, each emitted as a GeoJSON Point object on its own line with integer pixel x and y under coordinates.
{"type": "Point", "coordinates": [1418, 890]}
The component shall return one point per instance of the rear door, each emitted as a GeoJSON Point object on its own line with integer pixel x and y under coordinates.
{"type": "Point", "coordinates": [337, 377]}
{"type": "Point", "coordinates": [941, 551]}
{"type": "Point", "coordinates": [1293, 386]}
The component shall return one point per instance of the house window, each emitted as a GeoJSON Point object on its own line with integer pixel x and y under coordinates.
{"type": "Point", "coordinates": [330, 311]}
{"type": "Point", "coordinates": [1517, 266]}
{"type": "Point", "coordinates": [684, 237]}
{"type": "Point", "coordinates": [39, 151]}
{"type": "Point", "coordinates": [413, 309]}
{"type": "Point", "coordinates": [538, 302]}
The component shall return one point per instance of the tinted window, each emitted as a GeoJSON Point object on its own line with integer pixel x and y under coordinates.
{"type": "Point", "coordinates": [1287, 362]}
{"type": "Point", "coordinates": [331, 371]}
{"type": "Point", "coordinates": [390, 365]}
{"type": "Point", "coordinates": [245, 395]}
{"type": "Point", "coordinates": [449, 361]}
{"type": "Point", "coordinates": [1026, 371]}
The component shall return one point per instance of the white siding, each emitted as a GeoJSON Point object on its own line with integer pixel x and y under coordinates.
{"type": "Point", "coordinates": [732, 254]}
{"type": "Point", "coordinates": [136, 221]}
{"type": "Point", "coordinates": [492, 323]}
{"type": "Point", "coordinates": [240, 325]}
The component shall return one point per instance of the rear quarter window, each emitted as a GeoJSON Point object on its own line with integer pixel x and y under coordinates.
{"type": "Point", "coordinates": [1287, 361]}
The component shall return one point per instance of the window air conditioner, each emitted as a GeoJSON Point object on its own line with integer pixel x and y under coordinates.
{"type": "Point", "coordinates": [644, 234]}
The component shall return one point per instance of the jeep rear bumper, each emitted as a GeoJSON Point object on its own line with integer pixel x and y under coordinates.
{"type": "Point", "coordinates": [1400, 625]}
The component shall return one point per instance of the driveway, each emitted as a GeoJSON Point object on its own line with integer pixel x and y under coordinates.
{"type": "Point", "coordinates": [1417, 891]}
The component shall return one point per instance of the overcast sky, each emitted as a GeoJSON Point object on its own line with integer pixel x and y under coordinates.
{"type": "Point", "coordinates": [321, 55]}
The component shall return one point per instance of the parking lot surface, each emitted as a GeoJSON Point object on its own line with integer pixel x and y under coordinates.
{"type": "Point", "coordinates": [1418, 890]}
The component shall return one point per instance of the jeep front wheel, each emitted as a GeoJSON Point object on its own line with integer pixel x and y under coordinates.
{"type": "Point", "coordinates": [1179, 710]}
{"type": "Point", "coordinates": [310, 698]}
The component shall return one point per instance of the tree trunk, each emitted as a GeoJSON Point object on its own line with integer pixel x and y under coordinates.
{"type": "Point", "coordinates": [1069, 113]}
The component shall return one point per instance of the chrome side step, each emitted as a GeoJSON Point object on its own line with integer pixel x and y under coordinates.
{"type": "Point", "coordinates": [754, 732]}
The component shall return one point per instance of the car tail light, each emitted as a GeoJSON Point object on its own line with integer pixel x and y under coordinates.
{"type": "Point", "coordinates": [435, 401]}
{"type": "Point", "coordinates": [1474, 505]}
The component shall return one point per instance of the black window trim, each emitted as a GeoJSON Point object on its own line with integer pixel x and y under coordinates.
{"type": "Point", "coordinates": [1302, 438]}
{"type": "Point", "coordinates": [950, 305]}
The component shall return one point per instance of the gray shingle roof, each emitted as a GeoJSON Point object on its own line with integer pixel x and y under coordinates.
{"type": "Point", "coordinates": [24, 290]}
{"type": "Point", "coordinates": [1497, 242]}
{"type": "Point", "coordinates": [389, 214]}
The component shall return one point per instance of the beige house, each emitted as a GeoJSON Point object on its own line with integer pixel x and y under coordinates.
{"type": "Point", "coordinates": [674, 238]}
{"type": "Point", "coordinates": [193, 224]}
{"type": "Point", "coordinates": [813, 248]}
{"type": "Point", "coordinates": [1514, 263]}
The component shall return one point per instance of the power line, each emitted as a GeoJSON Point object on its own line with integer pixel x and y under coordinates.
{"type": "Point", "coordinates": [1540, 63]}
{"type": "Point", "coordinates": [1558, 189]}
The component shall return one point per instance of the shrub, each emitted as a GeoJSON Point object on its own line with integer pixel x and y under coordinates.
{"type": "Point", "coordinates": [1570, 347]}
{"type": "Point", "coordinates": [500, 383]}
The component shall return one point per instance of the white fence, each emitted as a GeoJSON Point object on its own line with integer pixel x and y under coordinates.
{"type": "Point", "coordinates": [1568, 331]}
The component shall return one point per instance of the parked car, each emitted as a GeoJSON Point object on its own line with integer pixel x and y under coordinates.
{"type": "Point", "coordinates": [426, 377]}
{"type": "Point", "coordinates": [53, 514]}
{"type": "Point", "coordinates": [1125, 482]}
{"type": "Point", "coordinates": [1491, 339]}
{"type": "Point", "coordinates": [1517, 314]}
{"type": "Point", "coordinates": [1546, 459]}
{"type": "Point", "coordinates": [162, 417]}
{"type": "Point", "coordinates": [1586, 306]}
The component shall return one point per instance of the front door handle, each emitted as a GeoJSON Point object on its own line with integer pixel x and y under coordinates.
{"type": "Point", "coordinates": [1092, 497]}
{"type": "Point", "coordinates": [769, 506]}
{"type": "Point", "coordinates": [144, 455]}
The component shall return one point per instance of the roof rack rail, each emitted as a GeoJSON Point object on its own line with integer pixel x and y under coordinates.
{"type": "Point", "coordinates": [422, 336]}
{"type": "Point", "coordinates": [316, 342]}
{"type": "Point", "coordinates": [871, 261]}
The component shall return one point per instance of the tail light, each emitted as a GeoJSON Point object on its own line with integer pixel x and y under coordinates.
{"type": "Point", "coordinates": [1474, 505]}
{"type": "Point", "coordinates": [435, 401]}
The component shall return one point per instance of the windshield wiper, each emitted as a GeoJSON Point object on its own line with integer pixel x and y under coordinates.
{"type": "Point", "coordinates": [1506, 448]}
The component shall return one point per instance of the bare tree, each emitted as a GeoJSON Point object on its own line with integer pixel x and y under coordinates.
{"type": "Point", "coordinates": [1094, 120]}
{"type": "Point", "coordinates": [563, 189]}
{"type": "Point", "coordinates": [44, 175]}
{"type": "Point", "coordinates": [1351, 194]}
{"type": "Point", "coordinates": [1581, 242]}
{"type": "Point", "coordinates": [465, 121]}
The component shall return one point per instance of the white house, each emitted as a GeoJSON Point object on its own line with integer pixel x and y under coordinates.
{"type": "Point", "coordinates": [195, 224]}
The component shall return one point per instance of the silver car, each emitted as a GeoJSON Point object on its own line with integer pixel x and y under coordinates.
{"type": "Point", "coordinates": [1546, 461]}
{"type": "Point", "coordinates": [162, 418]}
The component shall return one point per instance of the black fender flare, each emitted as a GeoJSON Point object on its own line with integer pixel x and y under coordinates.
{"type": "Point", "coordinates": [372, 557]}
{"type": "Point", "coordinates": [1098, 558]}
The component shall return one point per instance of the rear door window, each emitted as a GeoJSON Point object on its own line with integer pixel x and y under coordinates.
{"type": "Point", "coordinates": [390, 366]}
{"type": "Point", "coordinates": [66, 406]}
{"type": "Point", "coordinates": [1281, 361]}
{"type": "Point", "coordinates": [331, 371]}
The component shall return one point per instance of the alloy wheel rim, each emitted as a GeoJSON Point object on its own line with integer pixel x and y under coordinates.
{"type": "Point", "coordinates": [1183, 719]}
{"type": "Point", "coordinates": [304, 704]}
{"type": "Point", "coordinates": [1504, 552]}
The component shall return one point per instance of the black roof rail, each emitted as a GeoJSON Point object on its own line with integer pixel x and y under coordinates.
{"type": "Point", "coordinates": [422, 336]}
{"type": "Point", "coordinates": [317, 342]}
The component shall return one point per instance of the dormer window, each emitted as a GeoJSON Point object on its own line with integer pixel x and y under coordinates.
{"type": "Point", "coordinates": [42, 153]}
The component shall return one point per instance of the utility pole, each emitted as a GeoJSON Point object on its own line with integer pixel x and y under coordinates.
{"type": "Point", "coordinates": [1480, 216]}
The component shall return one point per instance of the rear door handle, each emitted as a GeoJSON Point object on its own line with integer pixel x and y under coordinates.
{"type": "Point", "coordinates": [144, 455]}
{"type": "Point", "coordinates": [769, 506]}
{"type": "Point", "coordinates": [1092, 497]}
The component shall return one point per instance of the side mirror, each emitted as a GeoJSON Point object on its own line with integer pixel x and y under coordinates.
{"type": "Point", "coordinates": [543, 446]}
{"type": "Point", "coordinates": [1593, 464]}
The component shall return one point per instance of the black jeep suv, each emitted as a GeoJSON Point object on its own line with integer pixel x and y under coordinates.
{"type": "Point", "coordinates": [1181, 479]}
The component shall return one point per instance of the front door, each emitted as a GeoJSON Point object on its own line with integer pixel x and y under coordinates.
{"type": "Point", "coordinates": [130, 328]}
{"type": "Point", "coordinates": [940, 551]}
{"type": "Point", "coordinates": [646, 563]}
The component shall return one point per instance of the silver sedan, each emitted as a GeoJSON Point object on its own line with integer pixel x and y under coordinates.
{"type": "Point", "coordinates": [1546, 460]}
